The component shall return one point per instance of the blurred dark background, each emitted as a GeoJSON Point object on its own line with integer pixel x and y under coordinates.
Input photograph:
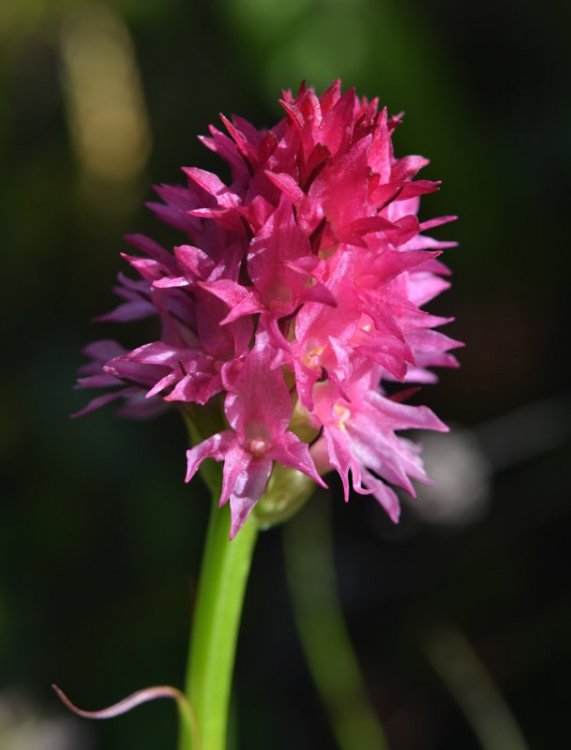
{"type": "Point", "coordinates": [100, 539]}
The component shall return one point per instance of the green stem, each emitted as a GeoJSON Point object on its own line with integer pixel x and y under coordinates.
{"type": "Point", "coordinates": [224, 573]}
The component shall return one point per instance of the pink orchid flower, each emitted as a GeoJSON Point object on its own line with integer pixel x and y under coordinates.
{"type": "Point", "coordinates": [295, 296]}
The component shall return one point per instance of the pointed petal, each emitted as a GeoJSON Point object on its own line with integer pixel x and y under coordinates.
{"type": "Point", "coordinates": [294, 453]}
{"type": "Point", "coordinates": [214, 447]}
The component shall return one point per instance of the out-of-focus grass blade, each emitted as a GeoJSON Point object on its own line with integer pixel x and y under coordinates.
{"type": "Point", "coordinates": [323, 632]}
{"type": "Point", "coordinates": [473, 689]}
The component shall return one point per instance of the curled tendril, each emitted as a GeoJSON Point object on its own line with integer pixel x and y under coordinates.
{"type": "Point", "coordinates": [137, 699]}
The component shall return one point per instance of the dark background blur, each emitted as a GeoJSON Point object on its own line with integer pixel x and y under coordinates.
{"type": "Point", "coordinates": [100, 539]}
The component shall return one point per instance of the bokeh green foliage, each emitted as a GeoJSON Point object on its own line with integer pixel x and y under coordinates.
{"type": "Point", "coordinates": [99, 537]}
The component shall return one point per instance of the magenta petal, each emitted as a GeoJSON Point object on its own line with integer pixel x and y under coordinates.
{"type": "Point", "coordinates": [193, 261]}
{"type": "Point", "coordinates": [198, 387]}
{"type": "Point", "coordinates": [250, 486]}
{"type": "Point", "coordinates": [101, 380]}
{"type": "Point", "coordinates": [239, 298]}
{"type": "Point", "coordinates": [207, 180]}
{"type": "Point", "coordinates": [97, 403]}
{"type": "Point", "coordinates": [280, 242]}
{"type": "Point", "coordinates": [235, 473]}
{"type": "Point", "coordinates": [240, 140]}
{"type": "Point", "coordinates": [432, 223]}
{"type": "Point", "coordinates": [171, 282]}
{"type": "Point", "coordinates": [213, 447]}
{"type": "Point", "coordinates": [127, 312]}
{"type": "Point", "coordinates": [259, 403]}
{"type": "Point", "coordinates": [292, 452]}
{"type": "Point", "coordinates": [342, 459]}
{"type": "Point", "coordinates": [162, 384]}
{"type": "Point", "coordinates": [240, 509]}
{"type": "Point", "coordinates": [174, 217]}
{"type": "Point", "coordinates": [287, 185]}
{"type": "Point", "coordinates": [149, 247]}
{"type": "Point", "coordinates": [407, 167]}
{"type": "Point", "coordinates": [385, 496]}
{"type": "Point", "coordinates": [319, 293]}
{"type": "Point", "coordinates": [224, 147]}
{"type": "Point", "coordinates": [103, 350]}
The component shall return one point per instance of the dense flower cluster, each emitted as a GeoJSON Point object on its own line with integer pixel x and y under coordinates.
{"type": "Point", "coordinates": [297, 292]}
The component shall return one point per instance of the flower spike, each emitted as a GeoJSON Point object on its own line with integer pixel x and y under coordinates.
{"type": "Point", "coordinates": [294, 298]}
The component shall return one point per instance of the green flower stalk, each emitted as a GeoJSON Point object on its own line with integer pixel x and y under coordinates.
{"type": "Point", "coordinates": [224, 573]}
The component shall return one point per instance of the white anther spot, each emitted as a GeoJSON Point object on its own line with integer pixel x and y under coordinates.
{"type": "Point", "coordinates": [257, 447]}
{"type": "Point", "coordinates": [342, 413]}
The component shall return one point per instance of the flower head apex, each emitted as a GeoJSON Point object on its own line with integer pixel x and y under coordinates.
{"type": "Point", "coordinates": [295, 294]}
